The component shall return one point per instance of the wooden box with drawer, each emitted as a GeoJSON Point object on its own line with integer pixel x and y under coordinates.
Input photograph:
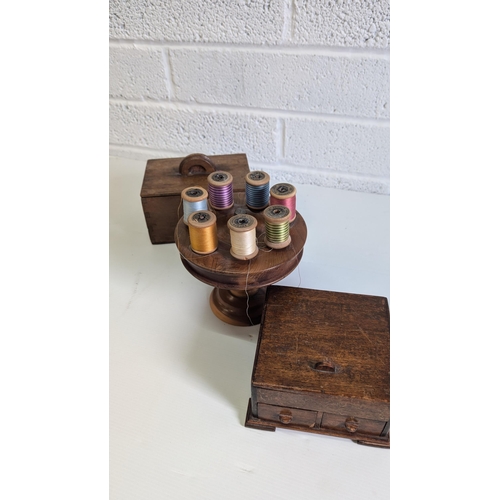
{"type": "Point", "coordinates": [322, 365]}
{"type": "Point", "coordinates": [165, 179]}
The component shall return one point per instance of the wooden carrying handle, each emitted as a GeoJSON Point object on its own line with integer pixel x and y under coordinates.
{"type": "Point", "coordinates": [196, 163]}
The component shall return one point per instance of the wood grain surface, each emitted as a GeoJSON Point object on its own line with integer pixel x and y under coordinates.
{"type": "Point", "coordinates": [324, 342]}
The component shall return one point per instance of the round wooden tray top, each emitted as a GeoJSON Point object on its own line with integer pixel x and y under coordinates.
{"type": "Point", "coordinates": [233, 279]}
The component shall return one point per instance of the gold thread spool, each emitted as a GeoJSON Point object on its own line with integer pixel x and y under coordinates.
{"type": "Point", "coordinates": [277, 218]}
{"type": "Point", "coordinates": [242, 229]}
{"type": "Point", "coordinates": [285, 194]}
{"type": "Point", "coordinates": [203, 232]}
{"type": "Point", "coordinates": [194, 198]}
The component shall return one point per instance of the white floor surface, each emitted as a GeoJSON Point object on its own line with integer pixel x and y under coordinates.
{"type": "Point", "coordinates": [180, 378]}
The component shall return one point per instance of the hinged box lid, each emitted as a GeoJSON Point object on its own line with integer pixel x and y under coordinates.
{"type": "Point", "coordinates": [163, 178]}
{"type": "Point", "coordinates": [325, 343]}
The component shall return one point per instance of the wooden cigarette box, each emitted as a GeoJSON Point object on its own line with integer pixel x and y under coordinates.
{"type": "Point", "coordinates": [322, 365]}
{"type": "Point", "coordinates": [165, 179]}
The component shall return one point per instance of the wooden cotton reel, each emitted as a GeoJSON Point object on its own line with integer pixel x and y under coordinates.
{"type": "Point", "coordinates": [242, 229]}
{"type": "Point", "coordinates": [277, 218]}
{"type": "Point", "coordinates": [193, 199]}
{"type": "Point", "coordinates": [284, 194]}
{"type": "Point", "coordinates": [257, 190]}
{"type": "Point", "coordinates": [203, 232]}
{"type": "Point", "coordinates": [220, 190]}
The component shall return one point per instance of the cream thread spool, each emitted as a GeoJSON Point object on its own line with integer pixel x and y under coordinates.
{"type": "Point", "coordinates": [242, 229]}
{"type": "Point", "coordinates": [257, 190]}
{"type": "Point", "coordinates": [277, 219]}
{"type": "Point", "coordinates": [220, 190]}
{"type": "Point", "coordinates": [194, 198]}
{"type": "Point", "coordinates": [284, 194]}
{"type": "Point", "coordinates": [203, 232]}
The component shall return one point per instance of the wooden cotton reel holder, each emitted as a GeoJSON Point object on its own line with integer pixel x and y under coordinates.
{"type": "Point", "coordinates": [240, 285]}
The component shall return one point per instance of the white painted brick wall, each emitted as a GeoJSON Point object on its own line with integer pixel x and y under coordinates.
{"type": "Point", "coordinates": [137, 73]}
{"type": "Point", "coordinates": [343, 147]}
{"type": "Point", "coordinates": [184, 131]}
{"type": "Point", "coordinates": [343, 23]}
{"type": "Point", "coordinates": [352, 86]}
{"type": "Point", "coordinates": [300, 86]}
{"type": "Point", "coordinates": [224, 21]}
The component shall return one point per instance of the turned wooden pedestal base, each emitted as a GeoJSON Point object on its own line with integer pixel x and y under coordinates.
{"type": "Point", "coordinates": [240, 285]}
{"type": "Point", "coordinates": [236, 307]}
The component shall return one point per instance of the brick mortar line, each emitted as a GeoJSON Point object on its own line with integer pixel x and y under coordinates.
{"type": "Point", "coordinates": [167, 68]}
{"type": "Point", "coordinates": [290, 167]}
{"type": "Point", "coordinates": [280, 139]}
{"type": "Point", "coordinates": [265, 112]}
{"type": "Point", "coordinates": [286, 32]}
{"type": "Point", "coordinates": [278, 48]}
{"type": "Point", "coordinates": [294, 15]}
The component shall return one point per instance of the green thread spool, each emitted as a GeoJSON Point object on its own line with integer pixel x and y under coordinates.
{"type": "Point", "coordinates": [277, 219]}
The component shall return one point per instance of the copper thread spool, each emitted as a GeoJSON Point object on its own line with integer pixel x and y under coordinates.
{"type": "Point", "coordinates": [277, 218]}
{"type": "Point", "coordinates": [220, 190]}
{"type": "Point", "coordinates": [203, 232]}
{"type": "Point", "coordinates": [242, 229]}
{"type": "Point", "coordinates": [257, 190]}
{"type": "Point", "coordinates": [284, 194]}
{"type": "Point", "coordinates": [194, 198]}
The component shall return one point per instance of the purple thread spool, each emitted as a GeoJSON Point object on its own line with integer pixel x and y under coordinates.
{"type": "Point", "coordinates": [220, 190]}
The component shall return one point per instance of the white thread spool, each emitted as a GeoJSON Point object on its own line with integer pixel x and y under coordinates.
{"type": "Point", "coordinates": [242, 229]}
{"type": "Point", "coordinates": [194, 199]}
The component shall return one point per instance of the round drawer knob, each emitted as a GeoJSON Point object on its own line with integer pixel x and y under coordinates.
{"type": "Point", "coordinates": [351, 424]}
{"type": "Point", "coordinates": [285, 416]}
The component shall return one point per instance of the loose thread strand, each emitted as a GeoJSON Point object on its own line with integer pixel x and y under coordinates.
{"type": "Point", "coordinates": [248, 296]}
{"type": "Point", "coordinates": [179, 209]}
{"type": "Point", "coordinates": [259, 243]}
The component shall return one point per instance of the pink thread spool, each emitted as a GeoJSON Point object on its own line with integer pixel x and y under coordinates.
{"type": "Point", "coordinates": [284, 194]}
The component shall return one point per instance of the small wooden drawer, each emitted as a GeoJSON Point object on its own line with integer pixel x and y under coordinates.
{"type": "Point", "coordinates": [352, 425]}
{"type": "Point", "coordinates": [286, 416]}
